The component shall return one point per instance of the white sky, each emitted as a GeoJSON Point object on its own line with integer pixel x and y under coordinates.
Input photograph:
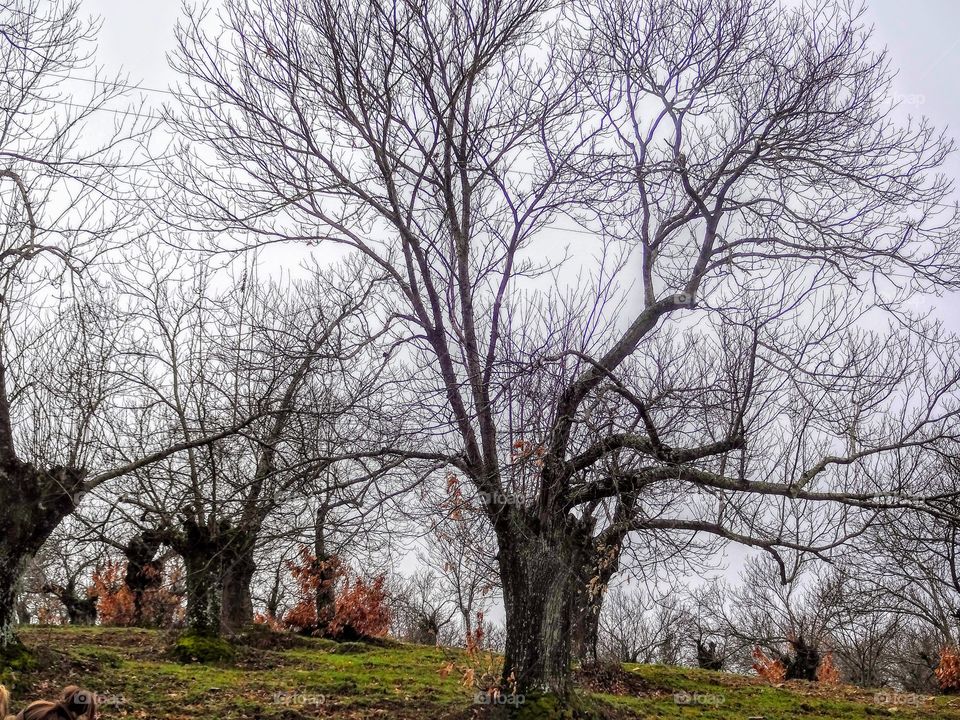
{"type": "Point", "coordinates": [921, 35]}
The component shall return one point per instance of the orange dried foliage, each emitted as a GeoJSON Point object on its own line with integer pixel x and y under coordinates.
{"type": "Point", "coordinates": [524, 450]}
{"type": "Point", "coordinates": [482, 669]}
{"type": "Point", "coordinates": [50, 612]}
{"type": "Point", "coordinates": [948, 670]}
{"type": "Point", "coordinates": [115, 601]}
{"type": "Point", "coordinates": [770, 669]}
{"type": "Point", "coordinates": [360, 604]}
{"type": "Point", "coordinates": [270, 621]}
{"type": "Point", "coordinates": [827, 672]}
{"type": "Point", "coordinates": [160, 606]}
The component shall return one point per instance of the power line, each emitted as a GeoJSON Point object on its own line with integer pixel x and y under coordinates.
{"type": "Point", "coordinates": [112, 111]}
{"type": "Point", "coordinates": [114, 83]}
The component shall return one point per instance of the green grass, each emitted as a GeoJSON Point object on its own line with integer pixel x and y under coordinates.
{"type": "Point", "coordinates": [293, 678]}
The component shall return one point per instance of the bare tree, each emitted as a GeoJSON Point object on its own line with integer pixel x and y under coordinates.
{"type": "Point", "coordinates": [635, 628]}
{"type": "Point", "coordinates": [63, 569]}
{"type": "Point", "coordinates": [205, 357]}
{"type": "Point", "coordinates": [68, 199]}
{"type": "Point", "coordinates": [737, 162]}
{"type": "Point", "coordinates": [791, 622]}
{"type": "Point", "coordinates": [458, 546]}
{"type": "Point", "coordinates": [906, 585]}
{"type": "Point", "coordinates": [866, 635]}
{"type": "Point", "coordinates": [424, 612]}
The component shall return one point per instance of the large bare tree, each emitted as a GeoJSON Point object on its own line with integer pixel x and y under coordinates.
{"type": "Point", "coordinates": [642, 251]}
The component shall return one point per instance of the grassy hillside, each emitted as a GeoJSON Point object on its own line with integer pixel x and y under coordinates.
{"type": "Point", "coordinates": [302, 678]}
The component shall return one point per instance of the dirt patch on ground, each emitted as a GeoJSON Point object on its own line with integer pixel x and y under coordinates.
{"type": "Point", "coordinates": [612, 679]}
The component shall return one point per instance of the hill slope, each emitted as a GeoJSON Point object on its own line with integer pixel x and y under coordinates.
{"type": "Point", "coordinates": [305, 678]}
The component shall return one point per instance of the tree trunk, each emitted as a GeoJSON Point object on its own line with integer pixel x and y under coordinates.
{"type": "Point", "coordinates": [805, 661]}
{"type": "Point", "coordinates": [143, 571]}
{"type": "Point", "coordinates": [10, 569]}
{"type": "Point", "coordinates": [201, 550]}
{"type": "Point", "coordinates": [273, 601]}
{"type": "Point", "coordinates": [586, 633]}
{"type": "Point", "coordinates": [82, 611]}
{"type": "Point", "coordinates": [81, 607]}
{"type": "Point", "coordinates": [203, 595]}
{"type": "Point", "coordinates": [328, 568]}
{"type": "Point", "coordinates": [597, 570]}
{"type": "Point", "coordinates": [34, 502]}
{"type": "Point", "coordinates": [24, 617]}
{"type": "Point", "coordinates": [539, 585]}
{"type": "Point", "coordinates": [238, 571]}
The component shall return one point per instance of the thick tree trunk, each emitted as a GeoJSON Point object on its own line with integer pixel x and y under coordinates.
{"type": "Point", "coordinates": [326, 594]}
{"type": "Point", "coordinates": [586, 632]}
{"type": "Point", "coordinates": [82, 611]}
{"type": "Point", "coordinates": [539, 586]}
{"type": "Point", "coordinates": [34, 502]}
{"type": "Point", "coordinates": [805, 661]}
{"type": "Point", "coordinates": [143, 571]}
{"type": "Point", "coordinates": [202, 550]}
{"type": "Point", "coordinates": [327, 569]}
{"type": "Point", "coordinates": [24, 616]}
{"type": "Point", "coordinates": [238, 571]}
{"type": "Point", "coordinates": [219, 570]}
{"type": "Point", "coordinates": [10, 569]}
{"type": "Point", "coordinates": [708, 657]}
{"type": "Point", "coordinates": [81, 608]}
{"type": "Point", "coordinates": [601, 564]}
{"type": "Point", "coordinates": [203, 595]}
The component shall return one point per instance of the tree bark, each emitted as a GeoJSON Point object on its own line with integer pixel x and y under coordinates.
{"type": "Point", "coordinates": [24, 617]}
{"type": "Point", "coordinates": [805, 661]}
{"type": "Point", "coordinates": [601, 564]}
{"type": "Point", "coordinates": [327, 569]}
{"type": "Point", "coordinates": [219, 566]}
{"type": "Point", "coordinates": [143, 571]}
{"type": "Point", "coordinates": [326, 594]}
{"type": "Point", "coordinates": [81, 607]}
{"type": "Point", "coordinates": [34, 502]}
{"type": "Point", "coordinates": [238, 571]}
{"type": "Point", "coordinates": [586, 631]}
{"type": "Point", "coordinates": [540, 579]}
{"type": "Point", "coordinates": [10, 569]}
{"type": "Point", "coordinates": [203, 595]}
{"type": "Point", "coordinates": [201, 549]}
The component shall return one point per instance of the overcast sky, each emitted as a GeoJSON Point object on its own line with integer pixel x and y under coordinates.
{"type": "Point", "coordinates": [921, 35]}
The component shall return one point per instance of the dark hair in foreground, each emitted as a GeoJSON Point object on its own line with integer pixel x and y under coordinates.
{"type": "Point", "coordinates": [74, 703]}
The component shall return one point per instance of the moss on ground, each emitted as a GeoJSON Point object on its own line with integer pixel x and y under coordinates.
{"type": "Point", "coordinates": [15, 661]}
{"type": "Point", "coordinates": [273, 679]}
{"type": "Point", "coordinates": [202, 649]}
